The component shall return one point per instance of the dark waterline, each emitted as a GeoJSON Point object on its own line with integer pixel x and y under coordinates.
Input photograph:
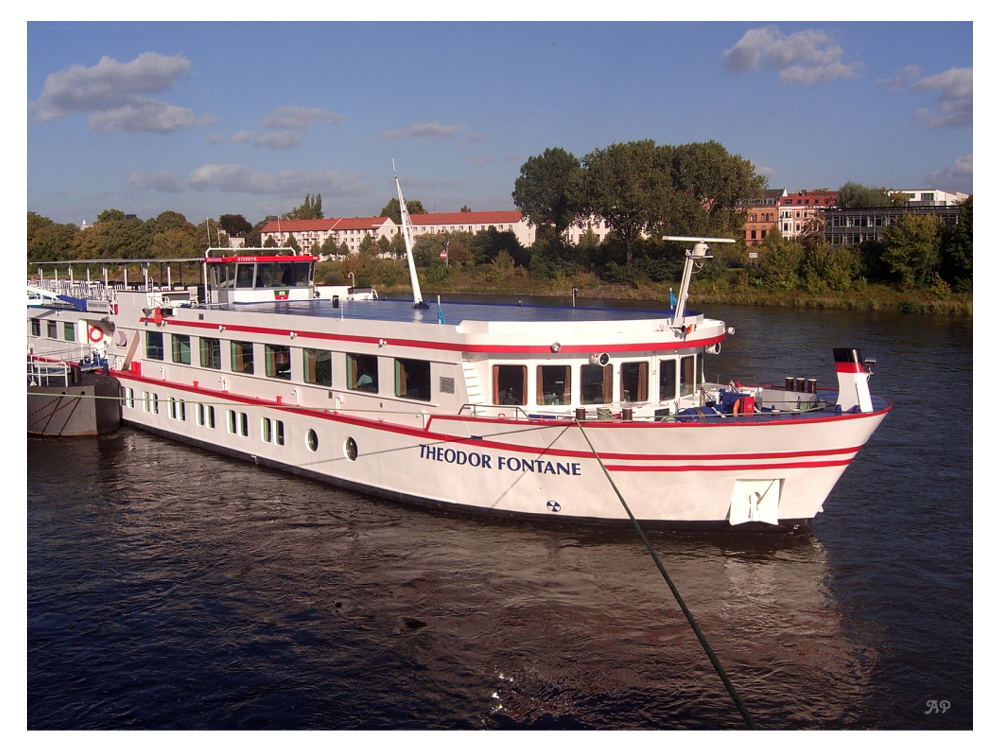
{"type": "Point", "coordinates": [169, 588]}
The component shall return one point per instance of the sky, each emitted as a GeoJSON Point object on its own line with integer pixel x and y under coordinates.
{"type": "Point", "coordinates": [212, 118]}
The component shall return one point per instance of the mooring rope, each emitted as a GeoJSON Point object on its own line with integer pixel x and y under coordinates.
{"type": "Point", "coordinates": [677, 594]}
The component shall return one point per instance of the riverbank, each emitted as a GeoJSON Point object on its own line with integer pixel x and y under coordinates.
{"type": "Point", "coordinates": [869, 297]}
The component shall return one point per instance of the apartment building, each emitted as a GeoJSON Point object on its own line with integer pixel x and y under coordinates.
{"type": "Point", "coordinates": [798, 211]}
{"type": "Point", "coordinates": [761, 216]}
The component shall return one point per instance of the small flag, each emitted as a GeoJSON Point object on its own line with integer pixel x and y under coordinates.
{"type": "Point", "coordinates": [673, 299]}
{"type": "Point", "coordinates": [440, 313]}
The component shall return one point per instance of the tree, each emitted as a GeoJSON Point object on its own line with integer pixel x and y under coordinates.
{"type": "Point", "coordinates": [956, 250]}
{"type": "Point", "coordinates": [911, 250]}
{"type": "Point", "coordinates": [391, 209]}
{"type": "Point", "coordinates": [235, 224]}
{"type": "Point", "coordinates": [115, 236]}
{"type": "Point", "coordinates": [548, 190]}
{"type": "Point", "coordinates": [629, 186]}
{"type": "Point", "coordinates": [718, 181]}
{"type": "Point", "coordinates": [49, 241]}
{"type": "Point", "coordinates": [856, 195]}
{"type": "Point", "coordinates": [311, 208]}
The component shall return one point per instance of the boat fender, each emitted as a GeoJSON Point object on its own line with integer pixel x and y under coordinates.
{"type": "Point", "coordinates": [96, 335]}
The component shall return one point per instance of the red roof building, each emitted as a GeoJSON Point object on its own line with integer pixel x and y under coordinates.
{"type": "Point", "coordinates": [796, 212]}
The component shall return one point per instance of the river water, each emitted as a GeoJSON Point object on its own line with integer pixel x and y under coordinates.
{"type": "Point", "coordinates": [170, 588]}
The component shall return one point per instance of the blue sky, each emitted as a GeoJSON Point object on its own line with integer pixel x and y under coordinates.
{"type": "Point", "coordinates": [246, 118]}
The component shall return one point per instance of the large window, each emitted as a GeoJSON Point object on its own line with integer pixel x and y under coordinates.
{"type": "Point", "coordinates": [668, 379]}
{"type": "Point", "coordinates": [180, 348]}
{"type": "Point", "coordinates": [689, 374]}
{"type": "Point", "coordinates": [36, 327]}
{"type": "Point", "coordinates": [277, 361]}
{"type": "Point", "coordinates": [413, 379]}
{"type": "Point", "coordinates": [362, 372]}
{"type": "Point", "coordinates": [242, 357]}
{"type": "Point", "coordinates": [595, 384]}
{"type": "Point", "coordinates": [317, 367]}
{"type": "Point", "coordinates": [154, 345]}
{"type": "Point", "coordinates": [510, 384]}
{"type": "Point", "coordinates": [553, 384]}
{"type": "Point", "coordinates": [635, 381]}
{"type": "Point", "coordinates": [210, 351]}
{"type": "Point", "coordinates": [69, 333]}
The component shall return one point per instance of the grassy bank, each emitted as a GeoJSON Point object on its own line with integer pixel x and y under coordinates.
{"type": "Point", "coordinates": [867, 297]}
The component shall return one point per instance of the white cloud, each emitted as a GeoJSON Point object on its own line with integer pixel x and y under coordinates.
{"type": "Point", "coordinates": [957, 177]}
{"type": "Point", "coordinates": [425, 131]}
{"type": "Point", "coordinates": [282, 139]}
{"type": "Point", "coordinates": [300, 118]}
{"type": "Point", "coordinates": [955, 101]}
{"type": "Point", "coordinates": [113, 93]}
{"type": "Point", "coordinates": [903, 78]}
{"type": "Point", "coordinates": [235, 178]}
{"type": "Point", "coordinates": [160, 182]}
{"type": "Point", "coordinates": [807, 56]}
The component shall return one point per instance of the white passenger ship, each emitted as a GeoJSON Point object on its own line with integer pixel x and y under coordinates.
{"type": "Point", "coordinates": [535, 412]}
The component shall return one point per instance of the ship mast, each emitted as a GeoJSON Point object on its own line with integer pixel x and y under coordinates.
{"type": "Point", "coordinates": [697, 254]}
{"type": "Point", "coordinates": [418, 300]}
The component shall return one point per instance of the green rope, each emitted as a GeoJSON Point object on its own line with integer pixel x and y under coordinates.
{"type": "Point", "coordinates": [677, 594]}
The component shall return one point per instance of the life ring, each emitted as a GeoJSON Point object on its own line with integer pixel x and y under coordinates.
{"type": "Point", "coordinates": [502, 416]}
{"type": "Point", "coordinates": [96, 335]}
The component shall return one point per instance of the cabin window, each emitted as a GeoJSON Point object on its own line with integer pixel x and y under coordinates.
{"type": "Point", "coordinates": [244, 275]}
{"type": "Point", "coordinates": [362, 372]}
{"type": "Point", "coordinates": [668, 379]}
{"type": "Point", "coordinates": [277, 361]}
{"type": "Point", "coordinates": [596, 384]}
{"type": "Point", "coordinates": [69, 333]}
{"type": "Point", "coordinates": [635, 381]}
{"type": "Point", "coordinates": [206, 415]}
{"type": "Point", "coordinates": [210, 351]}
{"type": "Point", "coordinates": [180, 348]}
{"type": "Point", "coordinates": [279, 432]}
{"type": "Point", "coordinates": [312, 440]}
{"type": "Point", "coordinates": [553, 385]}
{"type": "Point", "coordinates": [36, 327]}
{"type": "Point", "coordinates": [413, 379]}
{"type": "Point", "coordinates": [510, 384]}
{"type": "Point", "coordinates": [244, 424]}
{"type": "Point", "coordinates": [265, 429]}
{"type": "Point", "coordinates": [52, 329]}
{"type": "Point", "coordinates": [231, 421]}
{"type": "Point", "coordinates": [242, 357]}
{"type": "Point", "coordinates": [317, 367]}
{"type": "Point", "coordinates": [154, 345]}
{"type": "Point", "coordinates": [689, 374]}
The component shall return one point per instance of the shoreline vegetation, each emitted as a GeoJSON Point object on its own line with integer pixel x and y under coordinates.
{"type": "Point", "coordinates": [864, 298]}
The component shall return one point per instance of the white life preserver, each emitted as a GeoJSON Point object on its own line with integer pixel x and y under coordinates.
{"type": "Point", "coordinates": [96, 335]}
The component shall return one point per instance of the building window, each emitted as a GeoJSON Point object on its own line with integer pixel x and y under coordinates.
{"type": "Point", "coordinates": [317, 367]}
{"type": "Point", "coordinates": [154, 345]}
{"type": "Point", "coordinates": [69, 333]}
{"type": "Point", "coordinates": [180, 349]}
{"type": "Point", "coordinates": [277, 361]}
{"type": "Point", "coordinates": [210, 352]}
{"type": "Point", "coordinates": [52, 329]}
{"type": "Point", "coordinates": [413, 379]}
{"type": "Point", "coordinates": [362, 372]}
{"type": "Point", "coordinates": [242, 357]}
{"type": "Point", "coordinates": [36, 327]}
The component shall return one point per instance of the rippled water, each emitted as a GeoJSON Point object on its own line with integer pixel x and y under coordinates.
{"type": "Point", "coordinates": [169, 588]}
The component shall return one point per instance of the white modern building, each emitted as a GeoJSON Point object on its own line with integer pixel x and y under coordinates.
{"type": "Point", "coordinates": [929, 197]}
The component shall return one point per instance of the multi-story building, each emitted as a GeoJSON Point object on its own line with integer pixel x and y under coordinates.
{"type": "Point", "coordinates": [799, 211]}
{"type": "Point", "coordinates": [852, 226]}
{"type": "Point", "coordinates": [761, 216]}
{"type": "Point", "coordinates": [926, 197]}
{"type": "Point", "coordinates": [475, 221]}
{"type": "Point", "coordinates": [310, 234]}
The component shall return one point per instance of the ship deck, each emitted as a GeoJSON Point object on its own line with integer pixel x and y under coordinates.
{"type": "Point", "coordinates": [453, 312]}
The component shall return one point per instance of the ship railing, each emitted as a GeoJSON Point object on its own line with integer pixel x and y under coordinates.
{"type": "Point", "coordinates": [52, 374]}
{"type": "Point", "coordinates": [493, 411]}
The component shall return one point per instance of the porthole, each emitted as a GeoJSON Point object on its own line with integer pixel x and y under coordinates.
{"type": "Point", "coordinates": [351, 449]}
{"type": "Point", "coordinates": [312, 440]}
